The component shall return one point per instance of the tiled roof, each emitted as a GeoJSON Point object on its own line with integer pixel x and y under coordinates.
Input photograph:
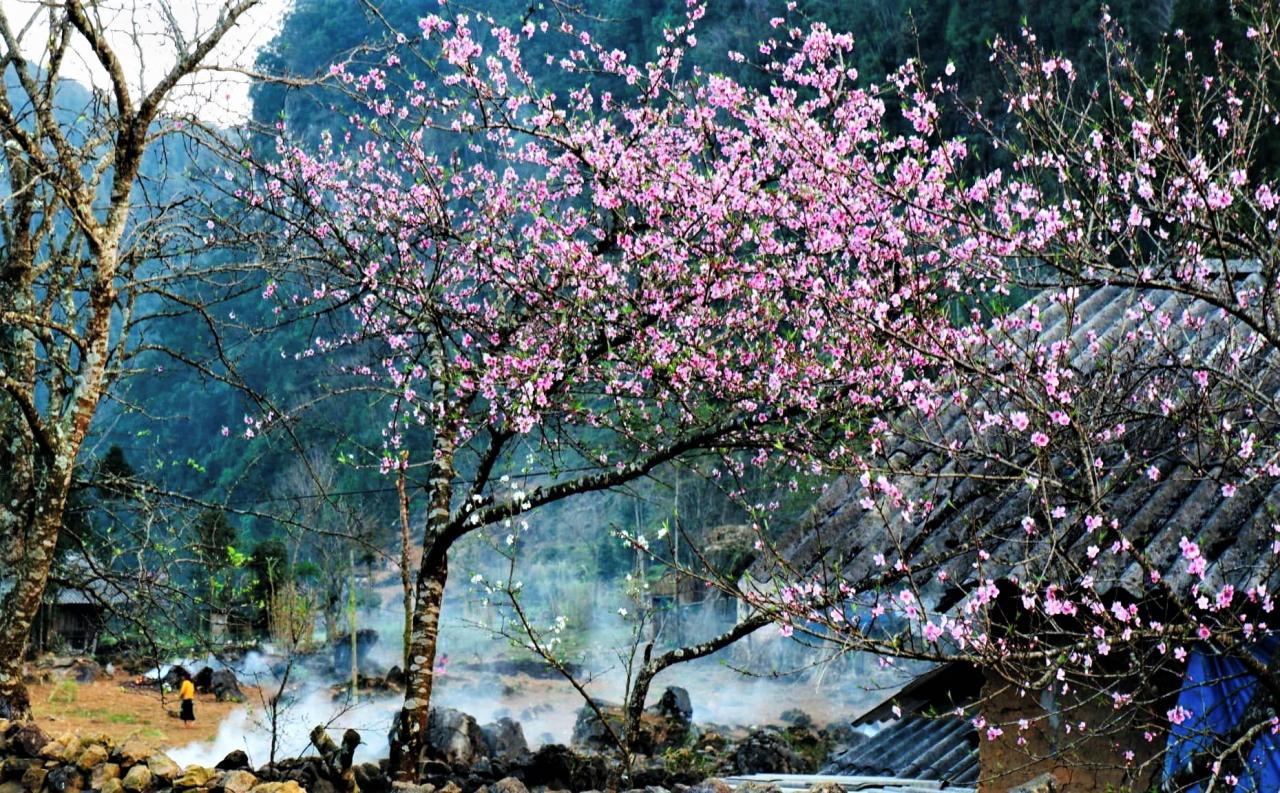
{"type": "Point", "coordinates": [979, 504]}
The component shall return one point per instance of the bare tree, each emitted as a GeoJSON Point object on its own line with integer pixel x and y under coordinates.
{"type": "Point", "coordinates": [88, 234]}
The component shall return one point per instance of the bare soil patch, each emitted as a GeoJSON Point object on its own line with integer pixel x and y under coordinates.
{"type": "Point", "coordinates": [112, 707]}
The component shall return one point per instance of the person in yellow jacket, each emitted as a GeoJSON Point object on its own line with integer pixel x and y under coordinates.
{"type": "Point", "coordinates": [187, 694]}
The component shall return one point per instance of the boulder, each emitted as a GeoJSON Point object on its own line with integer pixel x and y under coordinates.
{"type": "Point", "coordinates": [675, 707]}
{"type": "Point", "coordinates": [454, 736]}
{"type": "Point", "coordinates": [236, 760]}
{"type": "Point", "coordinates": [65, 748]}
{"type": "Point", "coordinates": [796, 718]}
{"type": "Point", "coordinates": [711, 785]}
{"type": "Point", "coordinates": [82, 670]}
{"type": "Point", "coordinates": [589, 732]}
{"type": "Point", "coordinates": [102, 774]}
{"type": "Point", "coordinates": [237, 781]}
{"type": "Point", "coordinates": [508, 785]}
{"type": "Point", "coordinates": [133, 751]}
{"type": "Point", "coordinates": [504, 738]}
{"type": "Point", "coordinates": [225, 686]}
{"type": "Point", "coordinates": [757, 787]}
{"type": "Point", "coordinates": [33, 779]}
{"type": "Point", "coordinates": [11, 787]}
{"type": "Point", "coordinates": [194, 776]}
{"type": "Point", "coordinates": [27, 740]}
{"type": "Point", "coordinates": [174, 677]}
{"type": "Point", "coordinates": [675, 704]}
{"type": "Point", "coordinates": [288, 786]}
{"type": "Point", "coordinates": [111, 786]}
{"type": "Point", "coordinates": [202, 679]}
{"type": "Point", "coordinates": [92, 756]}
{"type": "Point", "coordinates": [396, 677]}
{"type": "Point", "coordinates": [825, 787]}
{"type": "Point", "coordinates": [765, 752]}
{"type": "Point", "coordinates": [137, 780]}
{"type": "Point", "coordinates": [159, 764]}
{"type": "Point", "coordinates": [557, 767]}
{"type": "Point", "coordinates": [371, 778]}
{"type": "Point", "coordinates": [12, 768]}
{"type": "Point", "coordinates": [64, 779]}
{"type": "Point", "coordinates": [366, 638]}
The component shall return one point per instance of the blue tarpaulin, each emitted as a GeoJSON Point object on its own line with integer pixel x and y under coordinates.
{"type": "Point", "coordinates": [1215, 694]}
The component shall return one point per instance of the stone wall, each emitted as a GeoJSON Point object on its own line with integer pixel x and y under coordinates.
{"type": "Point", "coordinates": [31, 762]}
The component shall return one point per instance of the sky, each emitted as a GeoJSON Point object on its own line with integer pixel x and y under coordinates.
{"type": "Point", "coordinates": [141, 33]}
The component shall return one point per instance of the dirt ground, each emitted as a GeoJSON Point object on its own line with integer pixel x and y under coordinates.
{"type": "Point", "coordinates": [108, 707]}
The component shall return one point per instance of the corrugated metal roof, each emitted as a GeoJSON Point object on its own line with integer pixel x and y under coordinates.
{"type": "Point", "coordinates": [789, 783]}
{"type": "Point", "coordinates": [943, 750]}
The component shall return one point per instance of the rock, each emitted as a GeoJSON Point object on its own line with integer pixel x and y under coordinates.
{"type": "Point", "coordinates": [159, 764]}
{"type": "Point", "coordinates": [371, 778]}
{"type": "Point", "coordinates": [366, 638]}
{"type": "Point", "coordinates": [82, 670]}
{"type": "Point", "coordinates": [28, 740]}
{"type": "Point", "coordinates": [589, 732]}
{"type": "Point", "coordinates": [137, 780]}
{"type": "Point", "coordinates": [225, 687]}
{"type": "Point", "coordinates": [436, 768]}
{"type": "Point", "coordinates": [102, 774]}
{"type": "Point", "coordinates": [655, 789]}
{"type": "Point", "coordinates": [504, 738]}
{"type": "Point", "coordinates": [111, 786]}
{"type": "Point", "coordinates": [409, 787]}
{"type": "Point", "coordinates": [92, 756]}
{"type": "Point", "coordinates": [795, 717]}
{"type": "Point", "coordinates": [509, 785]}
{"type": "Point", "coordinates": [202, 679]}
{"type": "Point", "coordinates": [11, 787]}
{"type": "Point", "coordinates": [65, 748]}
{"type": "Point", "coordinates": [454, 736]}
{"type": "Point", "coordinates": [237, 781]}
{"type": "Point", "coordinates": [194, 776]}
{"type": "Point", "coordinates": [825, 787]}
{"type": "Point", "coordinates": [174, 677]}
{"type": "Point", "coordinates": [675, 704]}
{"type": "Point", "coordinates": [675, 707]}
{"type": "Point", "coordinates": [33, 779]}
{"type": "Point", "coordinates": [236, 760]}
{"type": "Point", "coordinates": [288, 786]}
{"type": "Point", "coordinates": [1045, 783]}
{"type": "Point", "coordinates": [757, 787]}
{"type": "Point", "coordinates": [559, 768]}
{"type": "Point", "coordinates": [711, 785]}
{"type": "Point", "coordinates": [133, 751]}
{"type": "Point", "coordinates": [396, 677]}
{"type": "Point", "coordinates": [765, 752]}
{"type": "Point", "coordinates": [450, 787]}
{"type": "Point", "coordinates": [64, 779]}
{"type": "Point", "coordinates": [12, 768]}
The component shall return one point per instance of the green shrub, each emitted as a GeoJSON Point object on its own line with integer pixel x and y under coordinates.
{"type": "Point", "coordinates": [65, 693]}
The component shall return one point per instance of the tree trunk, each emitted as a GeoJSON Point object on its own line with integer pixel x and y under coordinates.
{"type": "Point", "coordinates": [20, 606]}
{"type": "Point", "coordinates": [409, 735]}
